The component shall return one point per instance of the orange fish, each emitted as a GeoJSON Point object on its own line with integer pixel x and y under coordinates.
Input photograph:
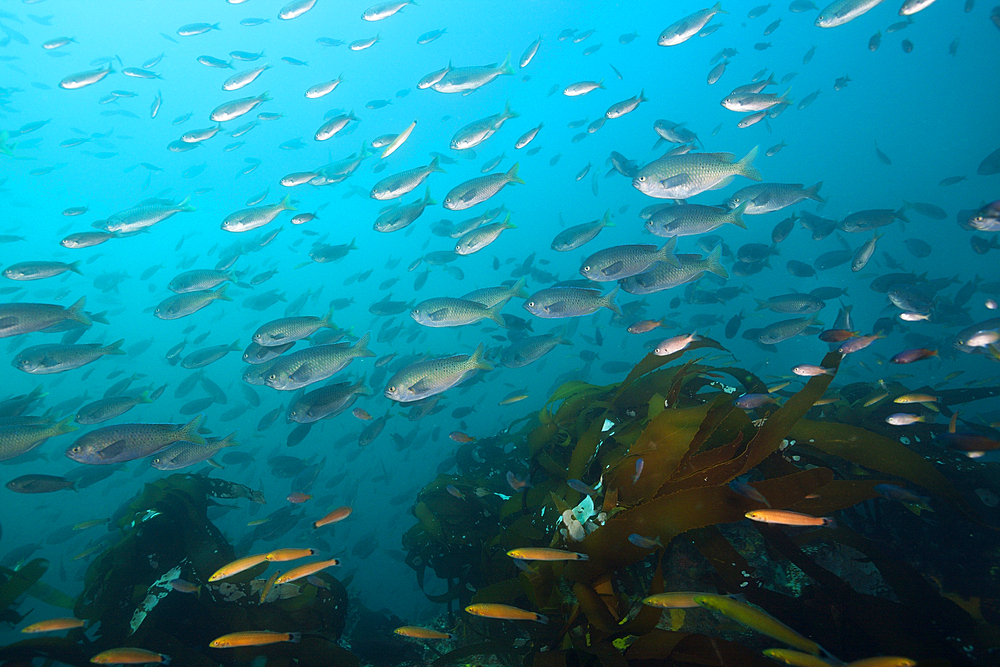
{"type": "Point", "coordinates": [541, 553]}
{"type": "Point", "coordinates": [505, 612]}
{"type": "Point", "coordinates": [282, 555]}
{"type": "Point", "coordinates": [786, 518]}
{"type": "Point", "coordinates": [421, 633]}
{"type": "Point", "coordinates": [361, 413]}
{"type": "Point", "coordinates": [129, 656]}
{"type": "Point", "coordinates": [237, 566]}
{"type": "Point", "coordinates": [458, 436]}
{"type": "Point", "coordinates": [54, 625]}
{"type": "Point", "coordinates": [267, 586]}
{"type": "Point", "coordinates": [303, 571]}
{"type": "Point", "coordinates": [297, 497]}
{"type": "Point", "coordinates": [254, 638]}
{"type": "Point", "coordinates": [336, 515]}
{"type": "Point", "coordinates": [883, 661]}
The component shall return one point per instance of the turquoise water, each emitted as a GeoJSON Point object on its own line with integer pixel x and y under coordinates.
{"type": "Point", "coordinates": [931, 113]}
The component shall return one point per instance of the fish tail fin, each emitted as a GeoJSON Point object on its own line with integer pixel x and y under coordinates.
{"type": "Point", "coordinates": [519, 289]}
{"type": "Point", "coordinates": [427, 197]}
{"type": "Point", "coordinates": [189, 432]}
{"type": "Point", "coordinates": [361, 347]}
{"type": "Point", "coordinates": [512, 176]}
{"type": "Point", "coordinates": [609, 301]}
{"type": "Point", "coordinates": [435, 164]}
{"type": "Point", "coordinates": [327, 321]}
{"type": "Point", "coordinates": [144, 397]}
{"type": "Point", "coordinates": [186, 206]}
{"type": "Point", "coordinates": [714, 264]}
{"type": "Point", "coordinates": [600, 84]}
{"type": "Point", "coordinates": [829, 522]}
{"type": "Point", "coordinates": [543, 619]}
{"type": "Point", "coordinates": [220, 293]}
{"type": "Point", "coordinates": [606, 220]}
{"type": "Point", "coordinates": [74, 266]}
{"type": "Point", "coordinates": [64, 426]}
{"type": "Point", "coordinates": [506, 67]}
{"type": "Point", "coordinates": [745, 166]}
{"type": "Point", "coordinates": [507, 111]}
{"type": "Point", "coordinates": [235, 346]}
{"type": "Point", "coordinates": [642, 96]}
{"type": "Point", "coordinates": [901, 214]}
{"type": "Point", "coordinates": [75, 312]}
{"type": "Point", "coordinates": [761, 304]}
{"type": "Point", "coordinates": [494, 313]}
{"type": "Point", "coordinates": [265, 96]}
{"type": "Point", "coordinates": [353, 245]}
{"type": "Point", "coordinates": [476, 359]}
{"type": "Point", "coordinates": [507, 224]}
{"type": "Point", "coordinates": [114, 348]}
{"type": "Point", "coordinates": [736, 215]}
{"type": "Point", "coordinates": [666, 253]}
{"type": "Point", "coordinates": [295, 637]}
{"type": "Point", "coordinates": [813, 193]}
{"type": "Point", "coordinates": [229, 440]}
{"type": "Point", "coordinates": [286, 204]}
{"type": "Point", "coordinates": [717, 8]}
{"type": "Point", "coordinates": [165, 659]}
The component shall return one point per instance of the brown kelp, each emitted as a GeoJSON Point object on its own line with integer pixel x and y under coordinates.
{"type": "Point", "coordinates": [164, 536]}
{"type": "Point", "coordinates": [660, 469]}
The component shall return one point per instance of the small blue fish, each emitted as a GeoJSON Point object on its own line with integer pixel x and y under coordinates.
{"type": "Point", "coordinates": [752, 401]}
{"type": "Point", "coordinates": [644, 542]}
{"type": "Point", "coordinates": [638, 470]}
{"type": "Point", "coordinates": [580, 487]}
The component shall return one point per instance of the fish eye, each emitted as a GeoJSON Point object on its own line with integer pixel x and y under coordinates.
{"type": "Point", "coordinates": [587, 268]}
{"type": "Point", "coordinates": [642, 179]}
{"type": "Point", "coordinates": [273, 376]}
{"type": "Point", "coordinates": [531, 303]}
{"type": "Point", "coordinates": [392, 388]}
{"type": "Point", "coordinates": [75, 450]}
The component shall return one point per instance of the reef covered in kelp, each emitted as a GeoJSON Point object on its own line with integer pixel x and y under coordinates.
{"type": "Point", "coordinates": [162, 537]}
{"type": "Point", "coordinates": [658, 456]}
{"type": "Point", "coordinates": [649, 479]}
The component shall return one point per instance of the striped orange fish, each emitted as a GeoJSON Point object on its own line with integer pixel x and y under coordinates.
{"type": "Point", "coordinates": [505, 612]}
{"type": "Point", "coordinates": [237, 566]}
{"type": "Point", "coordinates": [129, 656]}
{"type": "Point", "coordinates": [54, 625]}
{"type": "Point", "coordinates": [421, 633]}
{"type": "Point", "coordinates": [336, 515]}
{"type": "Point", "coordinates": [282, 555]}
{"type": "Point", "coordinates": [303, 571]}
{"type": "Point", "coordinates": [254, 638]}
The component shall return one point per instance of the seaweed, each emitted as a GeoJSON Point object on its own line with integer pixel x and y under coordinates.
{"type": "Point", "coordinates": [679, 419]}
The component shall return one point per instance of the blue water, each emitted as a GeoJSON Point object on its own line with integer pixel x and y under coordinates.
{"type": "Point", "coordinates": [932, 113]}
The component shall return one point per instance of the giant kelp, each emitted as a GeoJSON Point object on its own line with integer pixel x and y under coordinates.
{"type": "Point", "coordinates": [679, 419]}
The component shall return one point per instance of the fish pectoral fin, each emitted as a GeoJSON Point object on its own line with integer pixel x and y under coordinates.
{"type": "Point", "coordinates": [613, 268]}
{"type": "Point", "coordinates": [113, 450]}
{"type": "Point", "coordinates": [676, 181]}
{"type": "Point", "coordinates": [421, 385]}
{"type": "Point", "coordinates": [556, 307]}
{"type": "Point", "coordinates": [438, 315]}
{"type": "Point", "coordinates": [8, 322]}
{"type": "Point", "coordinates": [723, 183]}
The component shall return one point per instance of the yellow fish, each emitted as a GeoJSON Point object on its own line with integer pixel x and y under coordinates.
{"type": "Point", "coordinates": [54, 625]}
{"type": "Point", "coordinates": [421, 633]}
{"type": "Point", "coordinates": [758, 620]}
{"type": "Point", "coordinates": [505, 612]}
{"type": "Point", "coordinates": [254, 638]}
{"type": "Point", "coordinates": [540, 553]}
{"type": "Point", "coordinates": [237, 566]}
